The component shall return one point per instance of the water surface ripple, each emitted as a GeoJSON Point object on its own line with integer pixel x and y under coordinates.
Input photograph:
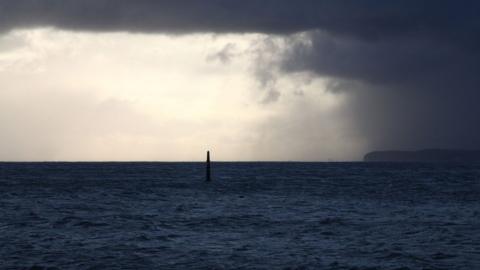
{"type": "Point", "coordinates": [252, 216]}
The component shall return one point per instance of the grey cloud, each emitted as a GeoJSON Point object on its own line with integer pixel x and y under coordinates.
{"type": "Point", "coordinates": [225, 55]}
{"type": "Point", "coordinates": [272, 96]}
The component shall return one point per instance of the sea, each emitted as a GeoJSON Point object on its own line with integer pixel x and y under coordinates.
{"type": "Point", "coordinates": [252, 215]}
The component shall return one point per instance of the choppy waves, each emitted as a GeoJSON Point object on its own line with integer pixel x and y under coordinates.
{"type": "Point", "coordinates": [252, 216]}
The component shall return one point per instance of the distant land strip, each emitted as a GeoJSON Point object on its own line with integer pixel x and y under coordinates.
{"type": "Point", "coordinates": [427, 155]}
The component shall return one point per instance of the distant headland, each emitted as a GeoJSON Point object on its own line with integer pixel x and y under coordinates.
{"type": "Point", "coordinates": [427, 155]}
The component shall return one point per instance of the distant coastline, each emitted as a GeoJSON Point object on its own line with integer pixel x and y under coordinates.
{"type": "Point", "coordinates": [427, 155]}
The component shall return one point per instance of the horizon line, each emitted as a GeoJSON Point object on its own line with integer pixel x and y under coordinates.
{"type": "Point", "coordinates": [174, 161]}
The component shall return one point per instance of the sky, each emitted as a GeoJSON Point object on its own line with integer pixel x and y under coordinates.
{"type": "Point", "coordinates": [306, 80]}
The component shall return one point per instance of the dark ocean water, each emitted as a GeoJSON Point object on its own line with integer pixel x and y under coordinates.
{"type": "Point", "coordinates": [252, 216]}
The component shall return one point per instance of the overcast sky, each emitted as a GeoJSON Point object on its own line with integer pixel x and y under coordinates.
{"type": "Point", "coordinates": [249, 80]}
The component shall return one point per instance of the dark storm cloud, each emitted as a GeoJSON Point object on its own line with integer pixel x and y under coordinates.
{"type": "Point", "coordinates": [372, 19]}
{"type": "Point", "coordinates": [410, 68]}
{"type": "Point", "coordinates": [180, 16]}
{"type": "Point", "coordinates": [406, 91]}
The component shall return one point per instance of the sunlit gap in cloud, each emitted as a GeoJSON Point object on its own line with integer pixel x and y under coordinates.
{"type": "Point", "coordinates": [122, 96]}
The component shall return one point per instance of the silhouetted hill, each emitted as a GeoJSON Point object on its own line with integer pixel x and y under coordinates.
{"type": "Point", "coordinates": [428, 155]}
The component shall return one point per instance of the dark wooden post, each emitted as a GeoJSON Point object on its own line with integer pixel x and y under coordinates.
{"type": "Point", "coordinates": [209, 177]}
